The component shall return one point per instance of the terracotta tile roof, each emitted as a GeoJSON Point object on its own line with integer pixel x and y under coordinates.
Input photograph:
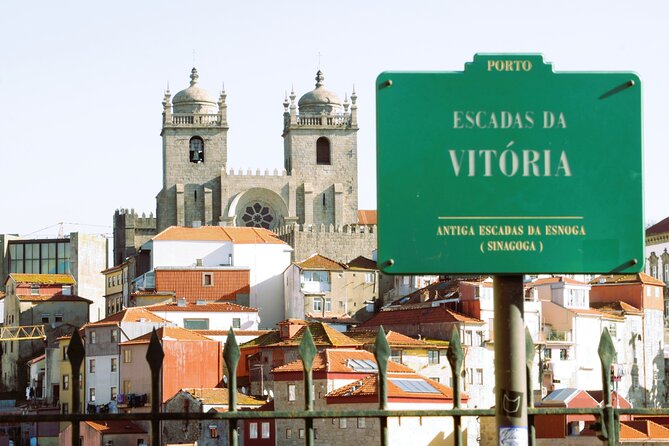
{"type": "Point", "coordinates": [114, 268]}
{"type": "Point", "coordinates": [237, 332]}
{"type": "Point", "coordinates": [435, 291]}
{"type": "Point", "coordinates": [626, 278]}
{"type": "Point", "coordinates": [236, 235]}
{"type": "Point", "coordinates": [343, 319]}
{"type": "Point", "coordinates": [395, 339]}
{"type": "Point", "coordinates": [323, 334]}
{"type": "Point", "coordinates": [618, 400]}
{"type": "Point", "coordinates": [361, 263]}
{"type": "Point", "coordinates": [368, 386]}
{"type": "Point", "coordinates": [175, 333]}
{"type": "Point", "coordinates": [116, 427]}
{"type": "Point", "coordinates": [52, 298]}
{"type": "Point", "coordinates": [647, 429]}
{"type": "Point", "coordinates": [658, 228]}
{"type": "Point", "coordinates": [218, 395]}
{"type": "Point", "coordinates": [367, 217]}
{"type": "Point", "coordinates": [317, 261]}
{"type": "Point", "coordinates": [209, 307]}
{"type": "Point", "coordinates": [144, 293]}
{"type": "Point", "coordinates": [37, 359]}
{"type": "Point", "coordinates": [617, 307]}
{"type": "Point", "coordinates": [337, 360]}
{"type": "Point", "coordinates": [2, 295]}
{"type": "Point", "coordinates": [558, 279]}
{"type": "Point", "coordinates": [414, 316]}
{"type": "Point", "coordinates": [132, 314]}
{"type": "Point", "coordinates": [44, 279]}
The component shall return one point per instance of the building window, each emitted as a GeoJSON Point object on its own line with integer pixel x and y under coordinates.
{"type": "Point", "coordinates": [362, 422]}
{"type": "Point", "coordinates": [253, 430]}
{"type": "Point", "coordinates": [328, 304]}
{"type": "Point", "coordinates": [91, 394]}
{"type": "Point", "coordinates": [564, 354]}
{"type": "Point", "coordinates": [317, 304]}
{"type": "Point", "coordinates": [93, 337]}
{"type": "Point", "coordinates": [59, 317]}
{"type": "Point", "coordinates": [213, 431]}
{"type": "Point", "coordinates": [396, 355]}
{"type": "Point", "coordinates": [300, 433]}
{"type": "Point", "coordinates": [291, 392]}
{"type": "Point", "coordinates": [207, 279]}
{"type": "Point", "coordinates": [236, 322]}
{"type": "Point", "coordinates": [91, 365]}
{"type": "Point", "coordinates": [548, 353]}
{"type": "Point", "coordinates": [127, 387]}
{"type": "Point", "coordinates": [468, 338]}
{"type": "Point", "coordinates": [114, 335]}
{"type": "Point", "coordinates": [34, 291]}
{"type": "Point", "coordinates": [64, 353]}
{"type": "Point", "coordinates": [65, 408]}
{"type": "Point", "coordinates": [342, 423]}
{"type": "Point", "coordinates": [114, 393]}
{"type": "Point", "coordinates": [196, 324]}
{"type": "Point", "coordinates": [289, 433]}
{"type": "Point", "coordinates": [264, 431]}
{"type": "Point", "coordinates": [478, 378]}
{"type": "Point", "coordinates": [127, 356]}
{"type": "Point", "coordinates": [433, 357]}
{"type": "Point", "coordinates": [114, 364]}
{"type": "Point", "coordinates": [45, 318]}
{"type": "Point", "coordinates": [196, 150]}
{"type": "Point", "coordinates": [66, 382]}
{"type": "Point", "coordinates": [369, 278]}
{"type": "Point", "coordinates": [323, 150]}
{"type": "Point", "coordinates": [48, 257]}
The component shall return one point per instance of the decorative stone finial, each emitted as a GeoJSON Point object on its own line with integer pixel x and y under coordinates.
{"type": "Point", "coordinates": [319, 79]}
{"type": "Point", "coordinates": [193, 76]}
{"type": "Point", "coordinates": [285, 101]}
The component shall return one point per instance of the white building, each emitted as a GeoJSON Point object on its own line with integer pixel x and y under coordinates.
{"type": "Point", "coordinates": [216, 316]}
{"type": "Point", "coordinates": [257, 249]}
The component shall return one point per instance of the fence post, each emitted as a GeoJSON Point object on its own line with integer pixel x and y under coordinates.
{"type": "Point", "coordinates": [456, 358]}
{"type": "Point", "coordinates": [529, 360]}
{"type": "Point", "coordinates": [307, 352]}
{"type": "Point", "coordinates": [155, 356]}
{"type": "Point", "coordinates": [608, 425]}
{"type": "Point", "coordinates": [76, 353]}
{"type": "Point", "coordinates": [231, 356]}
{"type": "Point", "coordinates": [382, 353]}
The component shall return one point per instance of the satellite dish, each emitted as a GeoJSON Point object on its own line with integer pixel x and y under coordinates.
{"type": "Point", "coordinates": [271, 394]}
{"type": "Point", "coordinates": [225, 379]}
{"type": "Point", "coordinates": [265, 392]}
{"type": "Point", "coordinates": [244, 390]}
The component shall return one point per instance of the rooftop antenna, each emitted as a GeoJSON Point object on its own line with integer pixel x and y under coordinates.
{"type": "Point", "coordinates": [60, 230]}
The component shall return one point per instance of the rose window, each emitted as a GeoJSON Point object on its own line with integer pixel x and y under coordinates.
{"type": "Point", "coordinates": [257, 216]}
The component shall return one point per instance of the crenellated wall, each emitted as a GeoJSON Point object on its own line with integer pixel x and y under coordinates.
{"type": "Point", "coordinates": [340, 243]}
{"type": "Point", "coordinates": [130, 232]}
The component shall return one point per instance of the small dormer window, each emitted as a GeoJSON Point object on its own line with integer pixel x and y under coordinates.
{"type": "Point", "coordinates": [323, 151]}
{"type": "Point", "coordinates": [196, 150]}
{"type": "Point", "coordinates": [34, 291]}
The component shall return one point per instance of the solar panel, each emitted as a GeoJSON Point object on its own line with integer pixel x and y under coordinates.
{"type": "Point", "coordinates": [414, 386]}
{"type": "Point", "coordinates": [362, 365]}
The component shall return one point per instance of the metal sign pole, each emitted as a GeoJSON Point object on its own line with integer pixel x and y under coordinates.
{"type": "Point", "coordinates": [510, 374]}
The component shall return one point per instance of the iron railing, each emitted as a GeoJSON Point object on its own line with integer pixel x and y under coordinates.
{"type": "Point", "coordinates": [607, 425]}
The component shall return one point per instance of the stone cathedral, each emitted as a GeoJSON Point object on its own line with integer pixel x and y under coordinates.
{"type": "Point", "coordinates": [312, 203]}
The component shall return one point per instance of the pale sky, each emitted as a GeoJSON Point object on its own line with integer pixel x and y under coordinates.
{"type": "Point", "coordinates": [81, 83]}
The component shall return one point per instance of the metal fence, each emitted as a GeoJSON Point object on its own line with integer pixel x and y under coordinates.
{"type": "Point", "coordinates": [607, 425]}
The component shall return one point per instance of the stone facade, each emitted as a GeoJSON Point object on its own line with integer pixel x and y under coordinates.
{"type": "Point", "coordinates": [317, 188]}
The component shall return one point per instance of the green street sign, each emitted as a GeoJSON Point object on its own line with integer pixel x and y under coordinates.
{"type": "Point", "coordinates": [509, 167]}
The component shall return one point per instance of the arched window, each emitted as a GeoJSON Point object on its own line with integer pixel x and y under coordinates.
{"type": "Point", "coordinates": [196, 150]}
{"type": "Point", "coordinates": [322, 150]}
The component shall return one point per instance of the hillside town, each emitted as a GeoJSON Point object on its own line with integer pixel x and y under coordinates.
{"type": "Point", "coordinates": [272, 256]}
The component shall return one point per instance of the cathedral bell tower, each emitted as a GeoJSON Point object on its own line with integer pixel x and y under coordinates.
{"type": "Point", "coordinates": [320, 151]}
{"type": "Point", "coordinates": [194, 133]}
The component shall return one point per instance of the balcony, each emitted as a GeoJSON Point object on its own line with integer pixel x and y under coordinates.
{"type": "Point", "coordinates": [559, 336]}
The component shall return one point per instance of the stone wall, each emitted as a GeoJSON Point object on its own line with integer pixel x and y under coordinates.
{"type": "Point", "coordinates": [342, 243]}
{"type": "Point", "coordinates": [131, 232]}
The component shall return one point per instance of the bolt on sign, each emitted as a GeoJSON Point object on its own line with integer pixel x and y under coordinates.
{"type": "Point", "coordinates": [509, 167]}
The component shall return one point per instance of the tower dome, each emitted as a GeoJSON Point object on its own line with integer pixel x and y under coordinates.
{"type": "Point", "coordinates": [320, 100]}
{"type": "Point", "coordinates": [194, 99]}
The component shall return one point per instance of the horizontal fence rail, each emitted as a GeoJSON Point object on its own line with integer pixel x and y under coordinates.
{"type": "Point", "coordinates": [606, 425]}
